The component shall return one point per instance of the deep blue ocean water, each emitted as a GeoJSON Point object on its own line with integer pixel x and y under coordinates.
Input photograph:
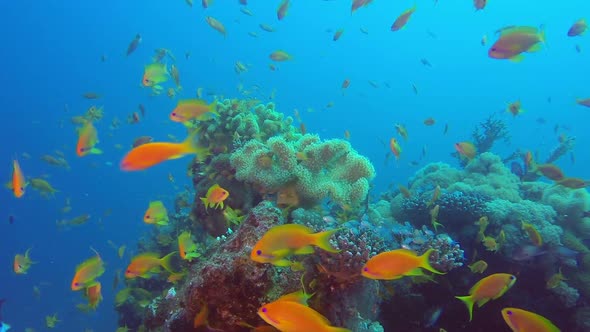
{"type": "Point", "coordinates": [51, 55]}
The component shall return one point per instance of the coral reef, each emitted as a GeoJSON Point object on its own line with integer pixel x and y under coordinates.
{"type": "Point", "coordinates": [488, 132]}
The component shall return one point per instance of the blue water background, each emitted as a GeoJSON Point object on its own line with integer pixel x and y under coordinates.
{"type": "Point", "coordinates": [51, 55]}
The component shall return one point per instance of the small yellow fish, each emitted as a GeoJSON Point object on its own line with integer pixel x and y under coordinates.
{"type": "Point", "coordinates": [555, 280]}
{"type": "Point", "coordinates": [156, 214]}
{"type": "Point", "coordinates": [186, 247]}
{"type": "Point", "coordinates": [532, 233]}
{"type": "Point", "coordinates": [478, 267]}
{"type": "Point", "coordinates": [51, 321]}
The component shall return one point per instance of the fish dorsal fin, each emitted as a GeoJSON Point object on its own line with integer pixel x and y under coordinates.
{"type": "Point", "coordinates": [407, 252]}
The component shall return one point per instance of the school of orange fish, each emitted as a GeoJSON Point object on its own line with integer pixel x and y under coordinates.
{"type": "Point", "coordinates": [290, 312]}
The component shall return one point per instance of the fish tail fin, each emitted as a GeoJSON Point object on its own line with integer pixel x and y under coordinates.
{"type": "Point", "coordinates": [425, 262]}
{"type": "Point", "coordinates": [166, 262]}
{"type": "Point", "coordinates": [322, 240]}
{"type": "Point", "coordinates": [542, 37]}
{"type": "Point", "coordinates": [338, 329]}
{"type": "Point", "coordinates": [468, 300]}
{"type": "Point", "coordinates": [189, 144]}
{"type": "Point", "coordinates": [213, 108]}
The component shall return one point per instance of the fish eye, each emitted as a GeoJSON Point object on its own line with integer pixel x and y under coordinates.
{"type": "Point", "coordinates": [173, 113]}
{"type": "Point", "coordinates": [264, 310]}
{"type": "Point", "coordinates": [147, 216]}
{"type": "Point", "coordinates": [366, 269]}
{"type": "Point", "coordinates": [258, 252]}
{"type": "Point", "coordinates": [509, 312]}
{"type": "Point", "coordinates": [512, 277]}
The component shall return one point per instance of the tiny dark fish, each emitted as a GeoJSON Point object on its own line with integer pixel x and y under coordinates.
{"type": "Point", "coordinates": [142, 140]}
{"type": "Point", "coordinates": [134, 43]}
{"type": "Point", "coordinates": [549, 100]}
{"type": "Point", "coordinates": [431, 317]}
{"type": "Point", "coordinates": [578, 49]}
{"type": "Point", "coordinates": [527, 252]}
{"type": "Point", "coordinates": [541, 121]}
{"type": "Point", "coordinates": [2, 301]}
{"type": "Point", "coordinates": [425, 62]}
{"type": "Point", "coordinates": [446, 129]}
{"type": "Point", "coordinates": [142, 110]}
{"type": "Point", "coordinates": [11, 219]}
{"type": "Point", "coordinates": [516, 169]}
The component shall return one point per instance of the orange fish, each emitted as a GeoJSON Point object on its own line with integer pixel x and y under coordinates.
{"type": "Point", "coordinates": [395, 264]}
{"type": "Point", "coordinates": [190, 109]}
{"type": "Point", "coordinates": [289, 239]}
{"type": "Point", "coordinates": [289, 316]}
{"type": "Point", "coordinates": [201, 318]}
{"type": "Point", "coordinates": [466, 149]}
{"type": "Point", "coordinates": [573, 183]}
{"type": "Point", "coordinates": [19, 183]}
{"type": "Point", "coordinates": [22, 263]}
{"type": "Point", "coordinates": [402, 20]}
{"type": "Point", "coordinates": [523, 321]}
{"type": "Point", "coordinates": [282, 10]}
{"type": "Point", "coordinates": [87, 139]}
{"type": "Point", "coordinates": [280, 56]}
{"type": "Point", "coordinates": [532, 233]}
{"type": "Point", "coordinates": [215, 24]}
{"type": "Point", "coordinates": [215, 197]}
{"type": "Point", "coordinates": [143, 265]}
{"type": "Point", "coordinates": [515, 40]}
{"type": "Point", "coordinates": [87, 272]}
{"type": "Point", "coordinates": [488, 288]}
{"type": "Point", "coordinates": [550, 171]}
{"type": "Point", "coordinates": [94, 295]}
{"type": "Point", "coordinates": [514, 108]}
{"type": "Point", "coordinates": [395, 147]}
{"type": "Point", "coordinates": [153, 153]}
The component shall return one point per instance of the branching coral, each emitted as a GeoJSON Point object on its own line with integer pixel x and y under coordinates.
{"type": "Point", "coordinates": [489, 131]}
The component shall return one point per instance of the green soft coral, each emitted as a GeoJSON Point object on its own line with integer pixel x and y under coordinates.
{"type": "Point", "coordinates": [542, 217]}
{"type": "Point", "coordinates": [317, 169]}
{"type": "Point", "coordinates": [570, 205]}
{"type": "Point", "coordinates": [487, 175]}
